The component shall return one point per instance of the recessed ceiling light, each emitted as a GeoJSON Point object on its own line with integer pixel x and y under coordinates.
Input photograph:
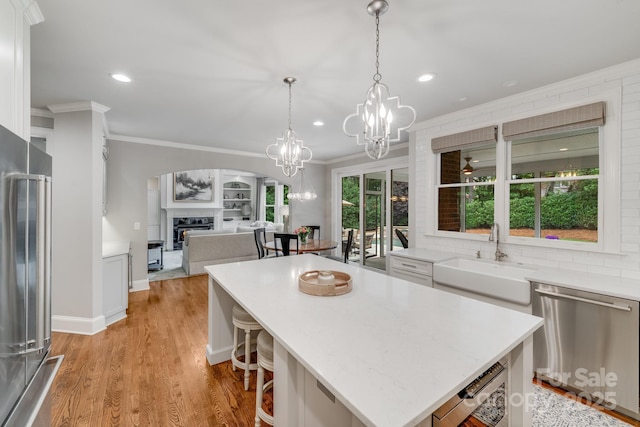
{"type": "Point", "coordinates": [563, 149]}
{"type": "Point", "coordinates": [121, 78]}
{"type": "Point", "coordinates": [464, 98]}
{"type": "Point", "coordinates": [510, 83]}
{"type": "Point", "coordinates": [318, 123]}
{"type": "Point", "coordinates": [426, 77]}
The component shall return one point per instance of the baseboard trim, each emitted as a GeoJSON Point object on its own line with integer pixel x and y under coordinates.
{"type": "Point", "coordinates": [78, 325]}
{"type": "Point", "coordinates": [218, 356]}
{"type": "Point", "coordinates": [140, 285]}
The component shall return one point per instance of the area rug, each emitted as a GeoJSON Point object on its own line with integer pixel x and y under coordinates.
{"type": "Point", "coordinates": [172, 261]}
{"type": "Point", "coordinates": [549, 410]}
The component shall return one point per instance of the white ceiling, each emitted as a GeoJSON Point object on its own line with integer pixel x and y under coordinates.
{"type": "Point", "coordinates": [210, 72]}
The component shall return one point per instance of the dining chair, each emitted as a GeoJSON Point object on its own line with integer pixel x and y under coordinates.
{"type": "Point", "coordinates": [285, 242]}
{"type": "Point", "coordinates": [315, 231]}
{"type": "Point", "coordinates": [346, 248]}
{"type": "Point", "coordinates": [260, 236]}
{"type": "Point", "coordinates": [403, 238]}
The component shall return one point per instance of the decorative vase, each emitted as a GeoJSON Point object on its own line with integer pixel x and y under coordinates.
{"type": "Point", "coordinates": [303, 238]}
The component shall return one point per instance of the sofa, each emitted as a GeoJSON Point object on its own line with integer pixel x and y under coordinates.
{"type": "Point", "coordinates": [208, 247]}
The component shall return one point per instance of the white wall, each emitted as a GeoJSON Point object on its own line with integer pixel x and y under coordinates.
{"type": "Point", "coordinates": [76, 216]}
{"type": "Point", "coordinates": [131, 164]}
{"type": "Point", "coordinates": [16, 18]}
{"type": "Point", "coordinates": [623, 79]}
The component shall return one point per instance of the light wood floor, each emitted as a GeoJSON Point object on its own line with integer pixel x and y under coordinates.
{"type": "Point", "coordinates": [150, 369]}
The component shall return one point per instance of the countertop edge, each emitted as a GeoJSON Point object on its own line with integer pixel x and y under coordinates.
{"type": "Point", "coordinates": [110, 249]}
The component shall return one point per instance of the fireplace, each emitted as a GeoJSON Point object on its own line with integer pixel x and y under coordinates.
{"type": "Point", "coordinates": [183, 224]}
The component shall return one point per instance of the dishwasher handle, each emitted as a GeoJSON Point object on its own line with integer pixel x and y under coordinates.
{"type": "Point", "coordinates": [587, 300]}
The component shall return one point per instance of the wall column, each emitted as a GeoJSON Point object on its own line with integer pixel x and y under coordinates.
{"type": "Point", "coordinates": [77, 218]}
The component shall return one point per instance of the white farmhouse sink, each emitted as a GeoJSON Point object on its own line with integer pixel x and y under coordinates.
{"type": "Point", "coordinates": [500, 280]}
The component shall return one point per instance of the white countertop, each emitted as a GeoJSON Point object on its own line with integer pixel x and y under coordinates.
{"type": "Point", "coordinates": [110, 249]}
{"type": "Point", "coordinates": [391, 351]}
{"type": "Point", "coordinates": [598, 283]}
{"type": "Point", "coordinates": [423, 254]}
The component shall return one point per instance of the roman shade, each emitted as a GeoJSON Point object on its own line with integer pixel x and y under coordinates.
{"type": "Point", "coordinates": [583, 117]}
{"type": "Point", "coordinates": [466, 139]}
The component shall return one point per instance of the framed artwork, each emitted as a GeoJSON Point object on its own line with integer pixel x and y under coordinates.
{"type": "Point", "coordinates": [192, 186]}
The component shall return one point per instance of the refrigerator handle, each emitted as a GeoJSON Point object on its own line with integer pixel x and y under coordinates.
{"type": "Point", "coordinates": [47, 260]}
{"type": "Point", "coordinates": [42, 263]}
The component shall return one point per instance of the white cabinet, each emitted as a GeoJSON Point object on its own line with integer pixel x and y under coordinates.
{"type": "Point", "coordinates": [413, 270]}
{"type": "Point", "coordinates": [115, 287]}
{"type": "Point", "coordinates": [415, 264]}
{"type": "Point", "coordinates": [16, 18]}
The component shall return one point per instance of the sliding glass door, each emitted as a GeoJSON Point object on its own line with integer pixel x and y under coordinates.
{"type": "Point", "coordinates": [375, 207]}
{"type": "Point", "coordinates": [399, 208]}
{"type": "Point", "coordinates": [375, 204]}
{"type": "Point", "coordinates": [350, 207]}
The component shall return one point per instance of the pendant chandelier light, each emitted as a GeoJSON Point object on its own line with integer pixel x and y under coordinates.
{"type": "Point", "coordinates": [379, 120]}
{"type": "Point", "coordinates": [305, 190]}
{"type": "Point", "coordinates": [288, 151]}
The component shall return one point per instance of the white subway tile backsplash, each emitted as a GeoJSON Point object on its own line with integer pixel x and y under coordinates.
{"type": "Point", "coordinates": [632, 80]}
{"type": "Point", "coordinates": [603, 270]}
{"type": "Point", "coordinates": [546, 102]}
{"type": "Point", "coordinates": [630, 248]}
{"type": "Point", "coordinates": [574, 95]}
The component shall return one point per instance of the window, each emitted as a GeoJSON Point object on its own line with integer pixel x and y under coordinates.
{"type": "Point", "coordinates": [270, 202]}
{"type": "Point", "coordinates": [466, 180]}
{"type": "Point", "coordinates": [545, 184]}
{"type": "Point", "coordinates": [553, 190]}
{"type": "Point", "coordinates": [275, 196]}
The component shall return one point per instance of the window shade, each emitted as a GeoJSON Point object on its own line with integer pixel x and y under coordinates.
{"type": "Point", "coordinates": [464, 139]}
{"type": "Point", "coordinates": [583, 117]}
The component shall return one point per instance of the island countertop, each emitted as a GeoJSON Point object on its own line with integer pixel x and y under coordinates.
{"type": "Point", "coordinates": [390, 350]}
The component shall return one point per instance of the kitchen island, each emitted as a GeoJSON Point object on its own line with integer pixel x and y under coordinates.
{"type": "Point", "coordinates": [389, 353]}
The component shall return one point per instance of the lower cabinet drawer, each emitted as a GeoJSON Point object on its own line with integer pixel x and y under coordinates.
{"type": "Point", "coordinates": [411, 276]}
{"type": "Point", "coordinates": [411, 265]}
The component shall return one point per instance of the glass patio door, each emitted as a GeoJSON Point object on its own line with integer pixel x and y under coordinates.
{"type": "Point", "coordinates": [399, 207]}
{"type": "Point", "coordinates": [374, 204]}
{"type": "Point", "coordinates": [350, 207]}
{"type": "Point", "coordinates": [372, 241]}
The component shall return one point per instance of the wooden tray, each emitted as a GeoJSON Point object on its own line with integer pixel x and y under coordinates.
{"type": "Point", "coordinates": [308, 283]}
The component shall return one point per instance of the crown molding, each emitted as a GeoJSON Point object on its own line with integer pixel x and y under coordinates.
{"type": "Point", "coordinates": [180, 145]}
{"type": "Point", "coordinates": [38, 112]}
{"type": "Point", "coordinates": [363, 154]}
{"type": "Point", "coordinates": [78, 106]}
{"type": "Point", "coordinates": [32, 11]}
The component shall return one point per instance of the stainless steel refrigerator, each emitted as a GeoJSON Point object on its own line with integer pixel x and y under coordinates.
{"type": "Point", "coordinates": [26, 370]}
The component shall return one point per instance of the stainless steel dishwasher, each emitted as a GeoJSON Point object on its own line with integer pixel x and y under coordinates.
{"type": "Point", "coordinates": [589, 344]}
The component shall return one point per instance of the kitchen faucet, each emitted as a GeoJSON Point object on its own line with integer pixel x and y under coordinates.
{"type": "Point", "coordinates": [495, 228]}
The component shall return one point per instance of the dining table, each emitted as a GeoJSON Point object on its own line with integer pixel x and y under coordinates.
{"type": "Point", "coordinates": [312, 245]}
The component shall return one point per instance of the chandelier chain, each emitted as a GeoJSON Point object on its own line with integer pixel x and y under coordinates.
{"type": "Point", "coordinates": [289, 105]}
{"type": "Point", "coordinates": [377, 76]}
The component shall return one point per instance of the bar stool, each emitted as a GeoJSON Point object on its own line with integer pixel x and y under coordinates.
{"type": "Point", "coordinates": [242, 320]}
{"type": "Point", "coordinates": [265, 361]}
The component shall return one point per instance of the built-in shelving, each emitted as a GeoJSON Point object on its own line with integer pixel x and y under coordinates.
{"type": "Point", "coordinates": [237, 201]}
